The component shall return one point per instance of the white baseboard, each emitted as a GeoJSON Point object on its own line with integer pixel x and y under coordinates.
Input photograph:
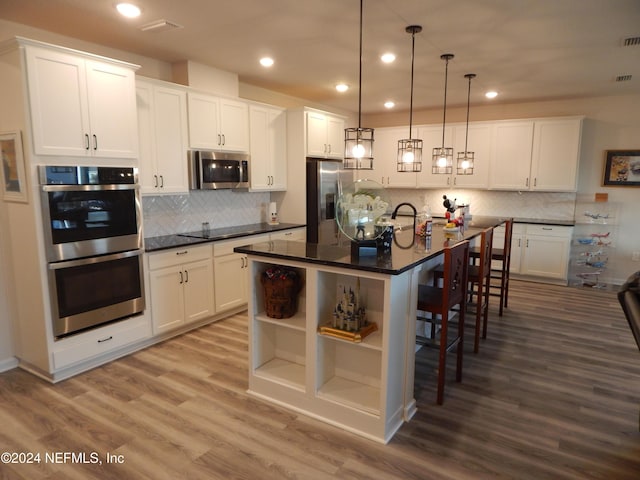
{"type": "Point", "coordinates": [8, 364]}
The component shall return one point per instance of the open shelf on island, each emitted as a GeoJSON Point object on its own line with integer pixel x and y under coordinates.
{"type": "Point", "coordinates": [352, 394]}
{"type": "Point", "coordinates": [283, 371]}
{"type": "Point", "coordinates": [370, 340]}
{"type": "Point", "coordinates": [297, 322]}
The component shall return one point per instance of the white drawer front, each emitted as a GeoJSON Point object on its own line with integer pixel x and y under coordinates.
{"type": "Point", "coordinates": [225, 247]}
{"type": "Point", "coordinates": [549, 230]}
{"type": "Point", "coordinates": [100, 341]}
{"type": "Point", "coordinates": [178, 256]}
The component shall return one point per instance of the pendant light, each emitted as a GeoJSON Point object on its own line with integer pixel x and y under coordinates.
{"type": "Point", "coordinates": [358, 142]}
{"type": "Point", "coordinates": [410, 149]}
{"type": "Point", "coordinates": [442, 158]}
{"type": "Point", "coordinates": [466, 158]}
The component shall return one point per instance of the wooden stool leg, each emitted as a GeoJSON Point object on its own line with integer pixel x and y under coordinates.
{"type": "Point", "coordinates": [460, 350]}
{"type": "Point", "coordinates": [442, 359]}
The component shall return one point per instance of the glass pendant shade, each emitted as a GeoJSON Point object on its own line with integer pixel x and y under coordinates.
{"type": "Point", "coordinates": [410, 150]}
{"type": "Point", "coordinates": [358, 148]}
{"type": "Point", "coordinates": [358, 142]}
{"type": "Point", "coordinates": [410, 155]}
{"type": "Point", "coordinates": [442, 157]}
{"type": "Point", "coordinates": [466, 158]}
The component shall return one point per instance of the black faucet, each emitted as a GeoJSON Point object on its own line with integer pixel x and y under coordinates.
{"type": "Point", "coordinates": [415, 213]}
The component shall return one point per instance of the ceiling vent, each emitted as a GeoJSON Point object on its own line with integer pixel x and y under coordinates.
{"type": "Point", "coordinates": [161, 25]}
{"type": "Point", "coordinates": [623, 78]}
{"type": "Point", "coordinates": [631, 41]}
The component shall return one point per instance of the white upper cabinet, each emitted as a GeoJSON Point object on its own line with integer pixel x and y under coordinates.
{"type": "Point", "coordinates": [325, 135]}
{"type": "Point", "coordinates": [268, 141]}
{"type": "Point", "coordinates": [511, 159]}
{"type": "Point", "coordinates": [385, 159]}
{"type": "Point", "coordinates": [81, 106]}
{"type": "Point", "coordinates": [479, 142]}
{"type": "Point", "coordinates": [431, 137]}
{"type": "Point", "coordinates": [538, 155]}
{"type": "Point", "coordinates": [217, 123]}
{"type": "Point", "coordinates": [556, 150]}
{"type": "Point", "coordinates": [162, 130]}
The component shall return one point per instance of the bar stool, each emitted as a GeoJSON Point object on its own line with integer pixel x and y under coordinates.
{"type": "Point", "coordinates": [440, 301]}
{"type": "Point", "coordinates": [500, 271]}
{"type": "Point", "coordinates": [480, 284]}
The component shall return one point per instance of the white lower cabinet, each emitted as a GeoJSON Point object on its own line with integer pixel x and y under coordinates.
{"type": "Point", "coordinates": [181, 287]}
{"type": "Point", "coordinates": [356, 386]}
{"type": "Point", "coordinates": [546, 251]}
{"type": "Point", "coordinates": [230, 272]}
{"type": "Point", "coordinates": [540, 251]}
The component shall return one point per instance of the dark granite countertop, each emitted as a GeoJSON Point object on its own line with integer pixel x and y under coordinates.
{"type": "Point", "coordinates": [407, 251]}
{"type": "Point", "coordinates": [185, 239]}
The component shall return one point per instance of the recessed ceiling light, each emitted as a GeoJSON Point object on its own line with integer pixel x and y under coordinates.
{"type": "Point", "coordinates": [388, 57]}
{"type": "Point", "coordinates": [342, 87]}
{"type": "Point", "coordinates": [389, 104]}
{"type": "Point", "coordinates": [491, 94]}
{"type": "Point", "coordinates": [266, 62]}
{"type": "Point", "coordinates": [128, 10]}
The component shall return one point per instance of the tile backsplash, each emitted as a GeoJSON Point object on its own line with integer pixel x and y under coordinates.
{"type": "Point", "coordinates": [169, 214]}
{"type": "Point", "coordinates": [538, 205]}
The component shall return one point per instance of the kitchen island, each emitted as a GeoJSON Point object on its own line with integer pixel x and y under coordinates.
{"type": "Point", "coordinates": [366, 386]}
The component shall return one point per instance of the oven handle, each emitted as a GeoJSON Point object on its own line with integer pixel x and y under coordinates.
{"type": "Point", "coordinates": [92, 260]}
{"type": "Point", "coordinates": [89, 188]}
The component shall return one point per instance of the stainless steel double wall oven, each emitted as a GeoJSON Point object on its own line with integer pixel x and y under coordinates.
{"type": "Point", "coordinates": [92, 229]}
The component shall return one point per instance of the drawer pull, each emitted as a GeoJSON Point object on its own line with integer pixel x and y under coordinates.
{"type": "Point", "coordinates": [183, 252]}
{"type": "Point", "coordinates": [547, 228]}
{"type": "Point", "coordinates": [110, 337]}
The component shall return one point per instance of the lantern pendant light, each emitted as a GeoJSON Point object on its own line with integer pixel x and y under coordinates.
{"type": "Point", "coordinates": [466, 158]}
{"type": "Point", "coordinates": [358, 142]}
{"type": "Point", "coordinates": [442, 158]}
{"type": "Point", "coordinates": [410, 149]}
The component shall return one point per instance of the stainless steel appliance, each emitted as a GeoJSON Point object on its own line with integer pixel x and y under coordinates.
{"type": "Point", "coordinates": [89, 211]}
{"type": "Point", "coordinates": [93, 238]}
{"type": "Point", "coordinates": [324, 181]}
{"type": "Point", "coordinates": [215, 170]}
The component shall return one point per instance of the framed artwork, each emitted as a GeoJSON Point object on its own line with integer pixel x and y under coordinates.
{"type": "Point", "coordinates": [622, 168]}
{"type": "Point", "coordinates": [12, 176]}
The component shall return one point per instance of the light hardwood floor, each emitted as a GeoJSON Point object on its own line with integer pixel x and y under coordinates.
{"type": "Point", "coordinates": [553, 394]}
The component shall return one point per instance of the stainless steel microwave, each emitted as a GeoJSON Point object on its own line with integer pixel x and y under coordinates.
{"type": "Point", "coordinates": [215, 170]}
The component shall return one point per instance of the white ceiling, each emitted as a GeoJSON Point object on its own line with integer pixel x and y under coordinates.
{"type": "Point", "coordinates": [524, 49]}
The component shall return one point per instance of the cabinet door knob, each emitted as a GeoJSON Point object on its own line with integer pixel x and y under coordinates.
{"type": "Point", "coordinates": [219, 139]}
{"type": "Point", "coordinates": [95, 142]}
{"type": "Point", "coordinates": [224, 140]}
{"type": "Point", "coordinates": [181, 278]}
{"type": "Point", "coordinates": [155, 178]}
{"type": "Point", "coordinates": [186, 276]}
{"type": "Point", "coordinates": [161, 181]}
{"type": "Point", "coordinates": [86, 139]}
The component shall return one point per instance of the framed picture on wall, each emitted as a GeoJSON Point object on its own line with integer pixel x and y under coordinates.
{"type": "Point", "coordinates": [622, 168]}
{"type": "Point", "coordinates": [12, 176]}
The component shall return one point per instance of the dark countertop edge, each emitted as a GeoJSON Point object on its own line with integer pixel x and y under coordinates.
{"type": "Point", "coordinates": [167, 242]}
{"type": "Point", "coordinates": [533, 221]}
{"type": "Point", "coordinates": [368, 268]}
{"type": "Point", "coordinates": [329, 263]}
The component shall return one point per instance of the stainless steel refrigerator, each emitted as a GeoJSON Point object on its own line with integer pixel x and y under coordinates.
{"type": "Point", "coordinates": [324, 181]}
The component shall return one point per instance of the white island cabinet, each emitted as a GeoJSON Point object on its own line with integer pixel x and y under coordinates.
{"type": "Point", "coordinates": [356, 386]}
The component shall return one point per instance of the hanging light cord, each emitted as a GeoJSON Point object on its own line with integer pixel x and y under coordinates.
{"type": "Point", "coordinates": [360, 71]}
{"type": "Point", "coordinates": [466, 137]}
{"type": "Point", "coordinates": [444, 115]}
{"type": "Point", "coordinates": [413, 47]}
